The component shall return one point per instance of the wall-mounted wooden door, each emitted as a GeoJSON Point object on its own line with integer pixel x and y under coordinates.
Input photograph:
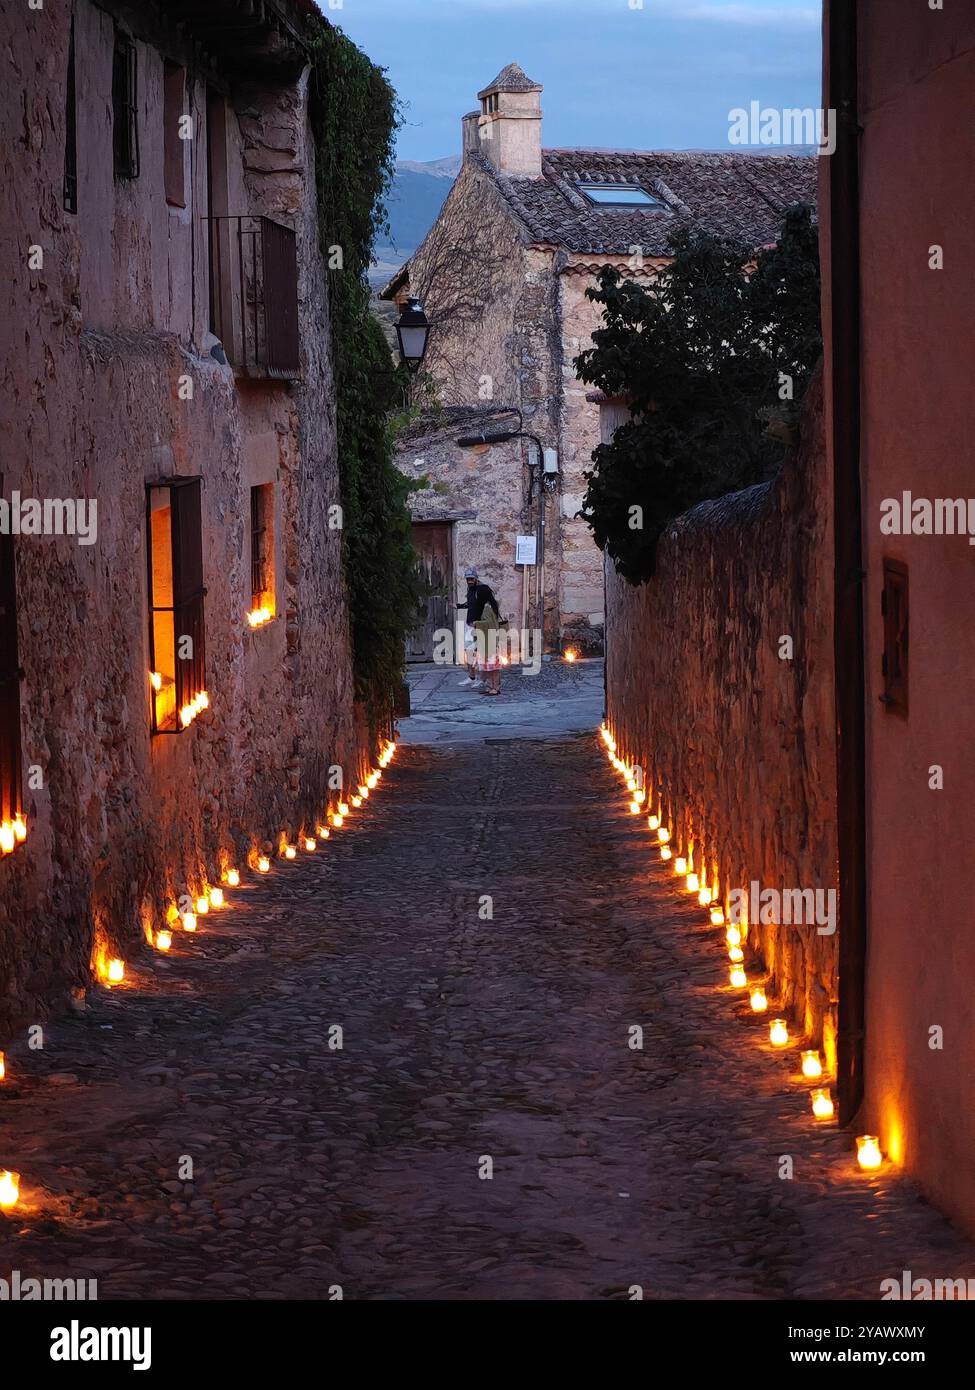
{"type": "Point", "coordinates": [432, 541]}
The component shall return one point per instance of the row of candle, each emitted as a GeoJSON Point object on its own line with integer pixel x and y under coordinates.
{"type": "Point", "coordinates": [111, 970]}
{"type": "Point", "coordinates": [12, 833]}
{"type": "Point", "coordinates": [868, 1145]}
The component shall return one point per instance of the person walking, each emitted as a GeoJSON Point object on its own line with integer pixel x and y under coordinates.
{"type": "Point", "coordinates": [477, 596]}
{"type": "Point", "coordinates": [488, 627]}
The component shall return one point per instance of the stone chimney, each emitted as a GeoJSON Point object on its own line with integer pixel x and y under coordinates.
{"type": "Point", "coordinates": [472, 140]}
{"type": "Point", "coordinates": [510, 123]}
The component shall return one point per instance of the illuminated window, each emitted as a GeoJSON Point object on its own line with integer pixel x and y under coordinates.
{"type": "Point", "coordinates": [176, 594]}
{"type": "Point", "coordinates": [262, 547]}
{"type": "Point", "coordinates": [11, 790]}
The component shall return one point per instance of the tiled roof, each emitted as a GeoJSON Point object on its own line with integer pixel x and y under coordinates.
{"type": "Point", "coordinates": [510, 79]}
{"type": "Point", "coordinates": [736, 195]}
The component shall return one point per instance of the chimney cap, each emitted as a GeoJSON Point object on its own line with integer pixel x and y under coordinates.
{"type": "Point", "coordinates": [510, 79]}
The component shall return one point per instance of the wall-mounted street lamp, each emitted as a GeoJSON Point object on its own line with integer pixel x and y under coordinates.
{"type": "Point", "coordinates": [412, 332]}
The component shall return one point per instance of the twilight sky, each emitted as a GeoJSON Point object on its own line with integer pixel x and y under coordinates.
{"type": "Point", "coordinates": [661, 77]}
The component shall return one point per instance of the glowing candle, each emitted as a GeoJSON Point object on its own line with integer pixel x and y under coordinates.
{"type": "Point", "coordinates": [186, 716]}
{"type": "Point", "coordinates": [733, 936]}
{"type": "Point", "coordinates": [203, 700]}
{"type": "Point", "coordinates": [640, 796]}
{"type": "Point", "coordinates": [321, 831]}
{"type": "Point", "coordinates": [337, 819]}
{"type": "Point", "coordinates": [202, 906]}
{"type": "Point", "coordinates": [737, 976]}
{"type": "Point", "coordinates": [705, 896]}
{"type": "Point", "coordinates": [216, 897]}
{"type": "Point", "coordinates": [868, 1151]}
{"type": "Point", "coordinates": [665, 852]}
{"type": "Point", "coordinates": [164, 939]}
{"type": "Point", "coordinates": [364, 791]}
{"type": "Point", "coordinates": [233, 878]}
{"type": "Point", "coordinates": [372, 781]}
{"type": "Point", "coordinates": [811, 1065]}
{"type": "Point", "coordinates": [634, 807]}
{"type": "Point", "coordinates": [263, 864]}
{"type": "Point", "coordinates": [736, 954]}
{"type": "Point", "coordinates": [343, 808]}
{"type": "Point", "coordinates": [630, 784]}
{"type": "Point", "coordinates": [778, 1032]}
{"type": "Point", "coordinates": [290, 851]}
{"type": "Point", "coordinates": [156, 680]}
{"type": "Point", "coordinates": [189, 921]}
{"type": "Point", "coordinates": [693, 883]}
{"type": "Point", "coordinates": [7, 837]}
{"type": "Point", "coordinates": [758, 1001]}
{"type": "Point", "coordinates": [9, 1188]}
{"type": "Point", "coordinates": [822, 1104]}
{"type": "Point", "coordinates": [663, 834]}
{"type": "Point", "coordinates": [653, 822]}
{"type": "Point", "coordinates": [116, 971]}
{"type": "Point", "coordinates": [717, 917]}
{"type": "Point", "coordinates": [310, 844]}
{"type": "Point", "coordinates": [680, 865]}
{"type": "Point", "coordinates": [570, 654]}
{"type": "Point", "coordinates": [357, 802]}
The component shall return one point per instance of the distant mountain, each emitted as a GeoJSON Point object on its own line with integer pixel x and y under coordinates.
{"type": "Point", "coordinates": [417, 194]}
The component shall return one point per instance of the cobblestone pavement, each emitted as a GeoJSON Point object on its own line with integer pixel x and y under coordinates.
{"type": "Point", "coordinates": [462, 1038]}
{"type": "Point", "coordinates": [560, 697]}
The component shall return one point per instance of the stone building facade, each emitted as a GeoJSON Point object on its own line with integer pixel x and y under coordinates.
{"type": "Point", "coordinates": [503, 276]}
{"type": "Point", "coordinates": [166, 359]}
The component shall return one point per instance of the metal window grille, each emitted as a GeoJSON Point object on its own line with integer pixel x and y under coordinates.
{"type": "Point", "coordinates": [70, 192]}
{"type": "Point", "coordinates": [895, 663]}
{"type": "Point", "coordinates": [125, 109]}
{"type": "Point", "coordinates": [11, 788]}
{"type": "Point", "coordinates": [254, 294]}
{"type": "Point", "coordinates": [259, 545]}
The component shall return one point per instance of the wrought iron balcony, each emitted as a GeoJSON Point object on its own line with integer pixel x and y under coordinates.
{"type": "Point", "coordinates": [254, 295]}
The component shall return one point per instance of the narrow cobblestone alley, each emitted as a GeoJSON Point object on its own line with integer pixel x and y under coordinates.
{"type": "Point", "coordinates": [462, 1038]}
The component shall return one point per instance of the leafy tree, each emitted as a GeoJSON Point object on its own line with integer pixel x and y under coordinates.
{"type": "Point", "coordinates": [713, 357]}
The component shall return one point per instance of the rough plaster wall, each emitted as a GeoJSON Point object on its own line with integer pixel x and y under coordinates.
{"type": "Point", "coordinates": [917, 75]}
{"type": "Point", "coordinates": [125, 821]}
{"type": "Point", "coordinates": [737, 744]}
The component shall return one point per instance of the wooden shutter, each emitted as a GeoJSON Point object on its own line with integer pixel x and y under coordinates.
{"type": "Point", "coordinates": [188, 590]}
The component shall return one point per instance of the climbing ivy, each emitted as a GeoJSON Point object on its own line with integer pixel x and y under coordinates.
{"type": "Point", "coordinates": [713, 361]}
{"type": "Point", "coordinates": [354, 114]}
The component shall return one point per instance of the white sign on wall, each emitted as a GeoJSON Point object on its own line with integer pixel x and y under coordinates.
{"type": "Point", "coordinates": [525, 550]}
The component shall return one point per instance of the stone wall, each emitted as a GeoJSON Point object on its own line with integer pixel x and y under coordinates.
{"type": "Point", "coordinates": [736, 742]}
{"type": "Point", "coordinates": [480, 493]}
{"type": "Point", "coordinates": [97, 348]}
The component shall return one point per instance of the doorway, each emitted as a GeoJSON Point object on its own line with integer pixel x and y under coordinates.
{"type": "Point", "coordinates": [433, 543]}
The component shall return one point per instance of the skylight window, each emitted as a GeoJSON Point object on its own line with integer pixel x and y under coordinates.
{"type": "Point", "coordinates": [621, 195]}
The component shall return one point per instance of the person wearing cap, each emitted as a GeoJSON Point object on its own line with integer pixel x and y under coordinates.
{"type": "Point", "coordinates": [477, 596]}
